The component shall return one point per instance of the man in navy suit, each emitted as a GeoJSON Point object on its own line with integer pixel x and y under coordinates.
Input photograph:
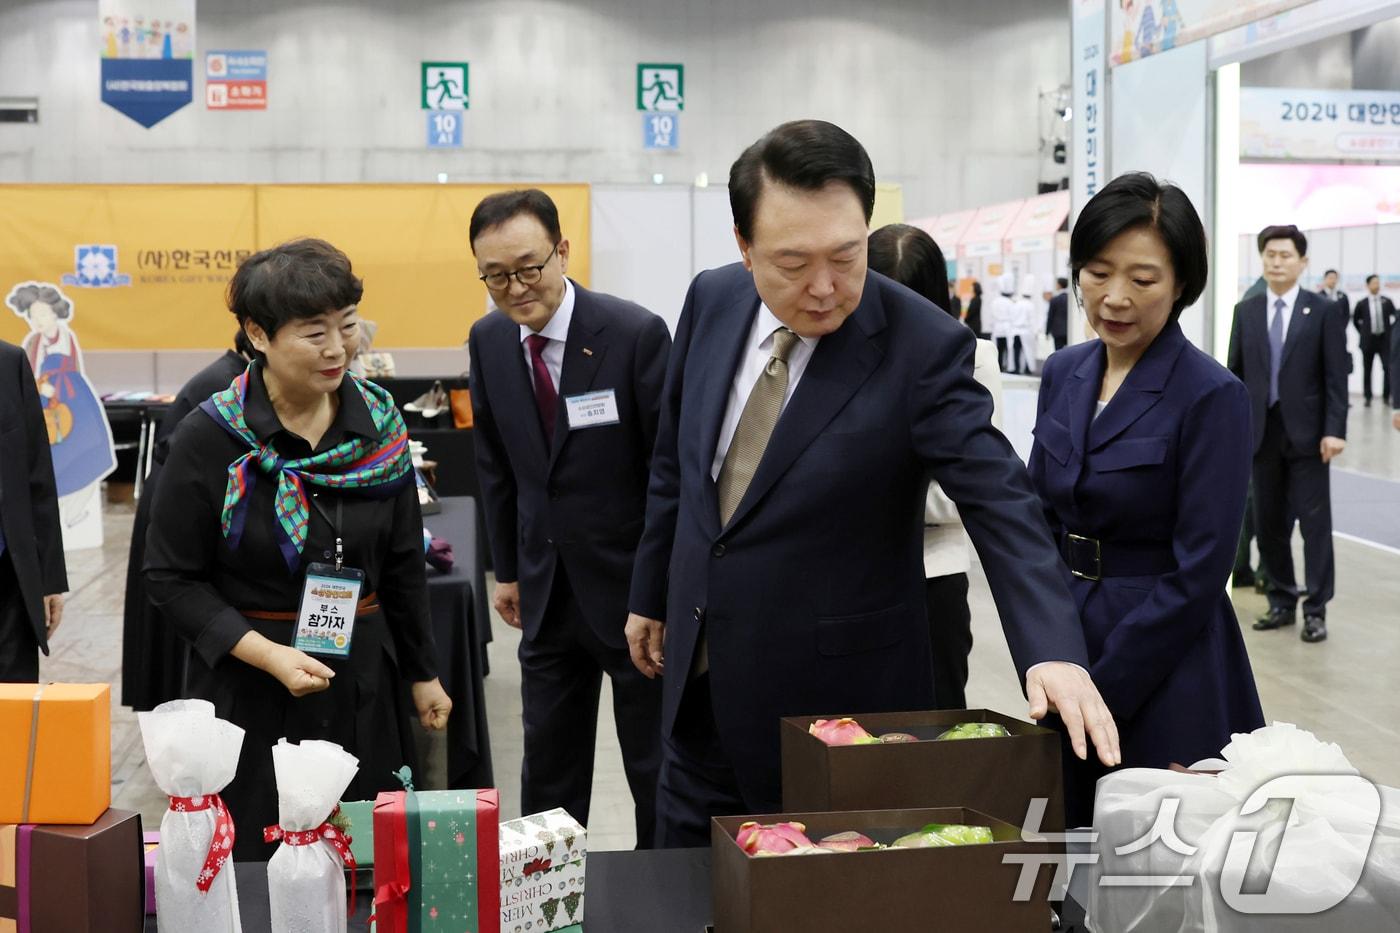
{"type": "Point", "coordinates": [1375, 320]}
{"type": "Point", "coordinates": [1288, 345]}
{"type": "Point", "coordinates": [32, 572]}
{"type": "Point", "coordinates": [566, 387]}
{"type": "Point", "coordinates": [807, 404]}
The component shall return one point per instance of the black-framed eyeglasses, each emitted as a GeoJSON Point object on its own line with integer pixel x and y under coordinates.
{"type": "Point", "coordinates": [526, 275]}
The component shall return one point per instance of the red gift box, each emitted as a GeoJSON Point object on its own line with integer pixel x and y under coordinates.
{"type": "Point", "coordinates": [459, 831]}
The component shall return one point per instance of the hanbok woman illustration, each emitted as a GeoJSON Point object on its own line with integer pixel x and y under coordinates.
{"type": "Point", "coordinates": [79, 436]}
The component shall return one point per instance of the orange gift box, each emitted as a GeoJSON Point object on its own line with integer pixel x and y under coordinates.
{"type": "Point", "coordinates": [56, 749]}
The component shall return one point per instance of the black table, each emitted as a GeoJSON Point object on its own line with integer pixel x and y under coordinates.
{"type": "Point", "coordinates": [146, 414]}
{"type": "Point", "coordinates": [663, 891]}
{"type": "Point", "coordinates": [462, 627]}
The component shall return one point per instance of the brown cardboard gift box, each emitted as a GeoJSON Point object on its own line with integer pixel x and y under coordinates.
{"type": "Point", "coordinates": [996, 776]}
{"type": "Point", "coordinates": [73, 879]}
{"type": "Point", "coordinates": [891, 890]}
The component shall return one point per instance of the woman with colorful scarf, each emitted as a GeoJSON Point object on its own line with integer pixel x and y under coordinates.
{"type": "Point", "coordinates": [295, 468]}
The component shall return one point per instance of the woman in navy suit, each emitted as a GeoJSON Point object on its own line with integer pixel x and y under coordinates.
{"type": "Point", "coordinates": [1141, 458]}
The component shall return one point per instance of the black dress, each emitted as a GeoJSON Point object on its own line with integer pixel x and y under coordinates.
{"type": "Point", "coordinates": [153, 655]}
{"type": "Point", "coordinates": [203, 587]}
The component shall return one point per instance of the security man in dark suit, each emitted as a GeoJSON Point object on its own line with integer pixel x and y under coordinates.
{"type": "Point", "coordinates": [1374, 318]}
{"type": "Point", "coordinates": [807, 404]}
{"type": "Point", "coordinates": [565, 387]}
{"type": "Point", "coordinates": [1288, 345]}
{"type": "Point", "coordinates": [1057, 314]}
{"type": "Point", "coordinates": [1332, 293]}
{"type": "Point", "coordinates": [33, 576]}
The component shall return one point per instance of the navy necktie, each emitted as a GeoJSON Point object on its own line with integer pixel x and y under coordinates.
{"type": "Point", "coordinates": [1275, 349]}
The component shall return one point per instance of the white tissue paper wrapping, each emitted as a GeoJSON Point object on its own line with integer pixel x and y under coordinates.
{"type": "Point", "coordinates": [191, 753]}
{"type": "Point", "coordinates": [306, 884]}
{"type": "Point", "coordinates": [1338, 826]}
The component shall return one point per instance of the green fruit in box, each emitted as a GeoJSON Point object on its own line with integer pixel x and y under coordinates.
{"type": "Point", "coordinates": [935, 835]}
{"type": "Point", "coordinates": [975, 730]}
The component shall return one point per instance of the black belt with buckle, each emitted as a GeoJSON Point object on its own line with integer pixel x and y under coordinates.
{"type": "Point", "coordinates": [1093, 559]}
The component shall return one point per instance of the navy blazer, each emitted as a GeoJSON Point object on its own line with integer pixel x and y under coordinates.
{"type": "Point", "coordinates": [1312, 382]}
{"type": "Point", "coordinates": [28, 496]}
{"type": "Point", "coordinates": [1395, 367]}
{"type": "Point", "coordinates": [812, 597]}
{"type": "Point", "coordinates": [1166, 464]}
{"type": "Point", "coordinates": [580, 501]}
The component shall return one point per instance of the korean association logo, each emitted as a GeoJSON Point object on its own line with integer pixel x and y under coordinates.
{"type": "Point", "coordinates": [95, 266]}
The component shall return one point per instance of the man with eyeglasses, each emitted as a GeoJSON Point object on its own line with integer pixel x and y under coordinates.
{"type": "Point", "coordinates": [566, 391]}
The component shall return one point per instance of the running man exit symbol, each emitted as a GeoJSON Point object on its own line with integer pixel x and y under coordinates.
{"type": "Point", "coordinates": [444, 86]}
{"type": "Point", "coordinates": [660, 87]}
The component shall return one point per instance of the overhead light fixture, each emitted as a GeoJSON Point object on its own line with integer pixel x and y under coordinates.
{"type": "Point", "coordinates": [658, 178]}
{"type": "Point", "coordinates": [442, 178]}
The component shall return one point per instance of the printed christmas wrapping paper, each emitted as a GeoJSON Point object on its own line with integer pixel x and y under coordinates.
{"type": "Point", "coordinates": [542, 872]}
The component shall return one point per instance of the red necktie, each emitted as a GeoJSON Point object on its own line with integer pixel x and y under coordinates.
{"type": "Point", "coordinates": [546, 399]}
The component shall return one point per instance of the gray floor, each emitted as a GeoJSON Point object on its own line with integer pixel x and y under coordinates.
{"type": "Point", "coordinates": [1343, 689]}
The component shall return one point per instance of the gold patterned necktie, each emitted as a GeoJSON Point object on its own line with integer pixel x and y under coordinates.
{"type": "Point", "coordinates": [756, 423]}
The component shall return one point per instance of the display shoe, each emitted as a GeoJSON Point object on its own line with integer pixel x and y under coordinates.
{"type": "Point", "coordinates": [1275, 618]}
{"type": "Point", "coordinates": [1314, 629]}
{"type": "Point", "coordinates": [431, 403]}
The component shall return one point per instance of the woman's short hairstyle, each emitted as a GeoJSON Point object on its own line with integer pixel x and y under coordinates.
{"type": "Point", "coordinates": [802, 154]}
{"type": "Point", "coordinates": [293, 281]}
{"type": "Point", "coordinates": [912, 258]}
{"type": "Point", "coordinates": [1284, 232]}
{"type": "Point", "coordinates": [27, 294]}
{"type": "Point", "coordinates": [1137, 200]}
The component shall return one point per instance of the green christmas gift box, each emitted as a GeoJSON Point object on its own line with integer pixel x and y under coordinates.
{"type": "Point", "coordinates": [542, 866]}
{"type": "Point", "coordinates": [436, 861]}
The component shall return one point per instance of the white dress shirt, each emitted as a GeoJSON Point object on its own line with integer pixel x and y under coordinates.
{"type": "Point", "coordinates": [1289, 298]}
{"type": "Point", "coordinates": [758, 349]}
{"type": "Point", "coordinates": [557, 330]}
{"type": "Point", "coordinates": [1377, 314]}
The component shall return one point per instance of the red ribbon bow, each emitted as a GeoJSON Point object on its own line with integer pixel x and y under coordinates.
{"type": "Point", "coordinates": [538, 865]}
{"type": "Point", "coordinates": [327, 833]}
{"type": "Point", "coordinates": [220, 844]}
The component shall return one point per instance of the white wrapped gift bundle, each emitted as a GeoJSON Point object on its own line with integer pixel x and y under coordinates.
{"type": "Point", "coordinates": [1287, 836]}
{"type": "Point", "coordinates": [192, 756]}
{"type": "Point", "coordinates": [306, 875]}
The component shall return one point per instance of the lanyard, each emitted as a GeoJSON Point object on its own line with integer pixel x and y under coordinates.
{"type": "Point", "coordinates": [335, 527]}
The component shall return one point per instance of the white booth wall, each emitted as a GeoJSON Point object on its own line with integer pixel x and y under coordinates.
{"type": "Point", "coordinates": [942, 93]}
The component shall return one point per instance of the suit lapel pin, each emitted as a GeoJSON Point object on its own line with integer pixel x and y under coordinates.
{"type": "Point", "coordinates": [1307, 310]}
{"type": "Point", "coordinates": [587, 352]}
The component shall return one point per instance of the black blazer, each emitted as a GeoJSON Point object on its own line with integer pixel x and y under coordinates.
{"type": "Point", "coordinates": [1057, 316]}
{"type": "Point", "coordinates": [812, 596]}
{"type": "Point", "coordinates": [28, 496]}
{"type": "Point", "coordinates": [1361, 315]}
{"type": "Point", "coordinates": [1312, 381]}
{"type": "Point", "coordinates": [581, 501]}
